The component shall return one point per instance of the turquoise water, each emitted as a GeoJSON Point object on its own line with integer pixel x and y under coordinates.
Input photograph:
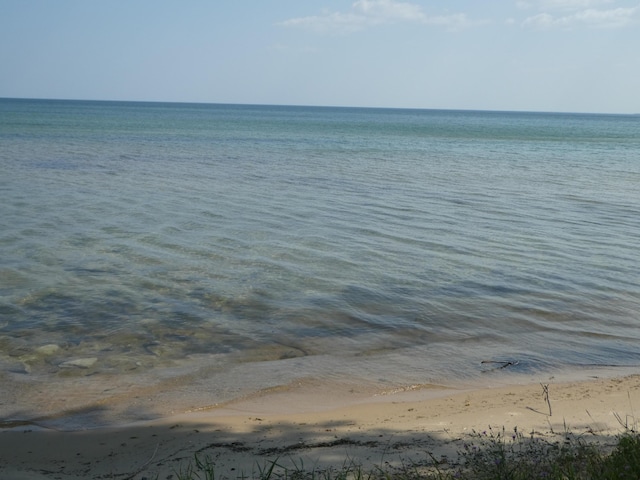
{"type": "Point", "coordinates": [218, 250]}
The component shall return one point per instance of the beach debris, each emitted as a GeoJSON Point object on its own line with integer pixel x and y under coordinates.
{"type": "Point", "coordinates": [501, 363]}
{"type": "Point", "coordinates": [545, 396]}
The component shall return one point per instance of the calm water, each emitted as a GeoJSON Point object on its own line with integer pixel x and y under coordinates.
{"type": "Point", "coordinates": [151, 252]}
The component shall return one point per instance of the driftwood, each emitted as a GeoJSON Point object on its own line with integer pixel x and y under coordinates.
{"type": "Point", "coordinates": [501, 364]}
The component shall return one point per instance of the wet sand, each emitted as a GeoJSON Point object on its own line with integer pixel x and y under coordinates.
{"type": "Point", "coordinates": [396, 428]}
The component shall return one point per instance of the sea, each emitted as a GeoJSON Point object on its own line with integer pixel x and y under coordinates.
{"type": "Point", "coordinates": [167, 257]}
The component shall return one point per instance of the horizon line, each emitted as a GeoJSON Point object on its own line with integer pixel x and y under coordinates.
{"type": "Point", "coordinates": [559, 112]}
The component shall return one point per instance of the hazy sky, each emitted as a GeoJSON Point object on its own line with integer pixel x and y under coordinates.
{"type": "Point", "coordinates": [542, 55]}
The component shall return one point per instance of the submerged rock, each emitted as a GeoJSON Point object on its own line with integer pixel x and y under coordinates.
{"type": "Point", "coordinates": [20, 368]}
{"type": "Point", "coordinates": [49, 349]}
{"type": "Point", "coordinates": [79, 363]}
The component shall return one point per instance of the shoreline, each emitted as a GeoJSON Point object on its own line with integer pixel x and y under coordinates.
{"type": "Point", "coordinates": [85, 400]}
{"type": "Point", "coordinates": [243, 436]}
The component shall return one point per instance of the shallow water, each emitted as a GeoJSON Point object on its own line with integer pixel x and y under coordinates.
{"type": "Point", "coordinates": [213, 251]}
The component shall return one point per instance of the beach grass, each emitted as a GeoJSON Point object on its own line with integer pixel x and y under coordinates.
{"type": "Point", "coordinates": [486, 455]}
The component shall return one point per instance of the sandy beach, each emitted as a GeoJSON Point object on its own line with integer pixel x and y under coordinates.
{"type": "Point", "coordinates": [396, 428]}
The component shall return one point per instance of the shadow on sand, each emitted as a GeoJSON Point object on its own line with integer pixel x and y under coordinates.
{"type": "Point", "coordinates": [239, 446]}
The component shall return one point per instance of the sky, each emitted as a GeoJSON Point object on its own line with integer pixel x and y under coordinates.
{"type": "Point", "coordinates": [531, 55]}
